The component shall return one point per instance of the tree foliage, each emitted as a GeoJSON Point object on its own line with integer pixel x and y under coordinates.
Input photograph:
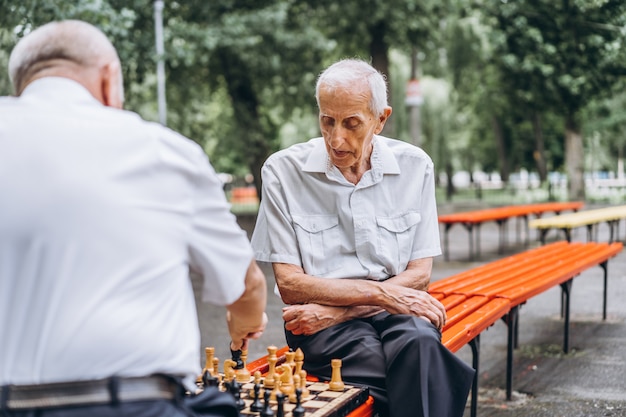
{"type": "Point", "coordinates": [506, 80]}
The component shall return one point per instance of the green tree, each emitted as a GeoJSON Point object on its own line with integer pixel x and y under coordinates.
{"type": "Point", "coordinates": [559, 55]}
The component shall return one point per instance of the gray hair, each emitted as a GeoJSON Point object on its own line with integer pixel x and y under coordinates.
{"type": "Point", "coordinates": [348, 72]}
{"type": "Point", "coordinates": [69, 40]}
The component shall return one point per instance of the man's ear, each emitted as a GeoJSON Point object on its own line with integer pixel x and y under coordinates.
{"type": "Point", "coordinates": [382, 119]}
{"type": "Point", "coordinates": [112, 85]}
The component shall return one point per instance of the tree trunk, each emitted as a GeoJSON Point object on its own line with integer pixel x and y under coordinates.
{"type": "Point", "coordinates": [254, 138]}
{"type": "Point", "coordinates": [574, 160]}
{"type": "Point", "coordinates": [379, 51]}
{"type": "Point", "coordinates": [449, 184]}
{"type": "Point", "coordinates": [540, 152]}
{"type": "Point", "coordinates": [501, 149]}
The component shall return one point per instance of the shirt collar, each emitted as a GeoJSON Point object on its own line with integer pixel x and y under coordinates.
{"type": "Point", "coordinates": [383, 160]}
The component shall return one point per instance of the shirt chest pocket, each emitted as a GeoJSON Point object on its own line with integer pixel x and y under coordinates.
{"type": "Point", "coordinates": [318, 241]}
{"type": "Point", "coordinates": [396, 236]}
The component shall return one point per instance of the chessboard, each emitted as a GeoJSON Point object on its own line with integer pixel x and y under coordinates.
{"type": "Point", "coordinates": [285, 390]}
{"type": "Point", "coordinates": [321, 402]}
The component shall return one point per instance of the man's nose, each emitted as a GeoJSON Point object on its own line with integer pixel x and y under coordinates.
{"type": "Point", "coordinates": [336, 137]}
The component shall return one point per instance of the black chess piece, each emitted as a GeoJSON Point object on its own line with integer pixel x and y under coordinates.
{"type": "Point", "coordinates": [235, 389]}
{"type": "Point", "coordinates": [280, 400]}
{"type": "Point", "coordinates": [209, 380]}
{"type": "Point", "coordinates": [267, 407]}
{"type": "Point", "coordinates": [256, 405]}
{"type": "Point", "coordinates": [236, 357]}
{"type": "Point", "coordinates": [299, 410]}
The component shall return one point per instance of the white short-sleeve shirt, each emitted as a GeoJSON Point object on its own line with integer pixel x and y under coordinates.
{"type": "Point", "coordinates": [101, 217]}
{"type": "Point", "coordinates": [311, 216]}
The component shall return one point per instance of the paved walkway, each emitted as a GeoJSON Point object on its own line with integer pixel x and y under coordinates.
{"type": "Point", "coordinates": [589, 381]}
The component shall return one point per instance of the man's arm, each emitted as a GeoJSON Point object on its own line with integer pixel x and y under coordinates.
{"type": "Point", "coordinates": [246, 317]}
{"type": "Point", "coordinates": [318, 303]}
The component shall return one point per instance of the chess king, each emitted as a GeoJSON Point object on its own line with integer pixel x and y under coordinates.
{"type": "Point", "coordinates": [349, 223]}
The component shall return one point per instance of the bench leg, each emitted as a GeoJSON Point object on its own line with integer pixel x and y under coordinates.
{"type": "Point", "coordinates": [503, 235]}
{"type": "Point", "coordinates": [477, 242]}
{"type": "Point", "coordinates": [605, 266]}
{"type": "Point", "coordinates": [566, 288]}
{"type": "Point", "coordinates": [475, 345]}
{"type": "Point", "coordinates": [446, 253]}
{"type": "Point", "coordinates": [511, 321]}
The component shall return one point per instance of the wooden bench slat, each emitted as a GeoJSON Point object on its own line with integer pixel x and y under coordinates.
{"type": "Point", "coordinates": [566, 270]}
{"type": "Point", "coordinates": [542, 267]}
{"type": "Point", "coordinates": [463, 309]}
{"type": "Point", "coordinates": [472, 276]}
{"type": "Point", "coordinates": [461, 333]}
{"type": "Point", "coordinates": [581, 218]}
{"type": "Point", "coordinates": [451, 300]}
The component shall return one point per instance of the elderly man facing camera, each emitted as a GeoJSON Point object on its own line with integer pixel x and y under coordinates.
{"type": "Point", "coordinates": [349, 222]}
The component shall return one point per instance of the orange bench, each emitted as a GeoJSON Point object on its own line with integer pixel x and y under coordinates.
{"type": "Point", "coordinates": [519, 277]}
{"type": "Point", "coordinates": [472, 220]}
{"type": "Point", "coordinates": [467, 317]}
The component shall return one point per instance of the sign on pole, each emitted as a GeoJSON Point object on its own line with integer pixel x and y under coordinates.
{"type": "Point", "coordinates": [414, 93]}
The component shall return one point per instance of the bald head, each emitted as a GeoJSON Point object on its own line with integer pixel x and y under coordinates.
{"type": "Point", "coordinates": [71, 49]}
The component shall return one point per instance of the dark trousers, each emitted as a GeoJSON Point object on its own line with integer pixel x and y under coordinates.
{"type": "Point", "coordinates": [399, 357]}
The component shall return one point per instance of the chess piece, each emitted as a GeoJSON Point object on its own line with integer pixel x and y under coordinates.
{"type": "Point", "coordinates": [216, 367]}
{"type": "Point", "coordinates": [296, 384]}
{"type": "Point", "coordinates": [257, 381]}
{"type": "Point", "coordinates": [209, 353]}
{"type": "Point", "coordinates": [290, 359]}
{"type": "Point", "coordinates": [270, 378]}
{"type": "Point", "coordinates": [299, 410]}
{"type": "Point", "coordinates": [229, 371]}
{"type": "Point", "coordinates": [208, 380]}
{"type": "Point", "coordinates": [235, 389]}
{"type": "Point", "coordinates": [267, 407]}
{"type": "Point", "coordinates": [303, 388]}
{"type": "Point", "coordinates": [286, 380]}
{"type": "Point", "coordinates": [336, 384]}
{"type": "Point", "coordinates": [241, 372]}
{"type": "Point", "coordinates": [256, 405]}
{"type": "Point", "coordinates": [299, 358]}
{"type": "Point", "coordinates": [280, 405]}
{"type": "Point", "coordinates": [208, 364]}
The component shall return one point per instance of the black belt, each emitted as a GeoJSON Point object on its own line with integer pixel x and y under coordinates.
{"type": "Point", "coordinates": [91, 392]}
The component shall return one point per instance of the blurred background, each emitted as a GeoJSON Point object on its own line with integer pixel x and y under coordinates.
{"type": "Point", "coordinates": [515, 101]}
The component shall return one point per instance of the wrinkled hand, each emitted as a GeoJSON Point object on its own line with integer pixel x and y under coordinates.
{"type": "Point", "coordinates": [240, 334]}
{"type": "Point", "coordinates": [308, 319]}
{"type": "Point", "coordinates": [416, 303]}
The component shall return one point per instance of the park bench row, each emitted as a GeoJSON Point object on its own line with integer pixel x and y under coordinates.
{"type": "Point", "coordinates": [473, 220]}
{"type": "Point", "coordinates": [478, 298]}
{"type": "Point", "coordinates": [590, 219]}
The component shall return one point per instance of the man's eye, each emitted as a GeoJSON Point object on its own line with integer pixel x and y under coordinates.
{"type": "Point", "coordinates": [351, 124]}
{"type": "Point", "coordinates": [328, 121]}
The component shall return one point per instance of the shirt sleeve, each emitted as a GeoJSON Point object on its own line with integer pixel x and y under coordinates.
{"type": "Point", "coordinates": [427, 243]}
{"type": "Point", "coordinates": [219, 250]}
{"type": "Point", "coordinates": [274, 238]}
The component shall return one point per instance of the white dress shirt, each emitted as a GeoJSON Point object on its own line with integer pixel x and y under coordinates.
{"type": "Point", "coordinates": [101, 216]}
{"type": "Point", "coordinates": [311, 216]}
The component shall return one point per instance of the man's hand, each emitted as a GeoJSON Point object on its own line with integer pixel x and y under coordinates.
{"type": "Point", "coordinates": [240, 335]}
{"type": "Point", "coordinates": [403, 300]}
{"type": "Point", "coordinates": [308, 319]}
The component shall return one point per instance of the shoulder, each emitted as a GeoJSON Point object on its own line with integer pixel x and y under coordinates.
{"type": "Point", "coordinates": [296, 154]}
{"type": "Point", "coordinates": [162, 136]}
{"type": "Point", "coordinates": [404, 152]}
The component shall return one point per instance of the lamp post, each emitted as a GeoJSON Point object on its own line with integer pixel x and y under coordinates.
{"type": "Point", "coordinates": [158, 30]}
